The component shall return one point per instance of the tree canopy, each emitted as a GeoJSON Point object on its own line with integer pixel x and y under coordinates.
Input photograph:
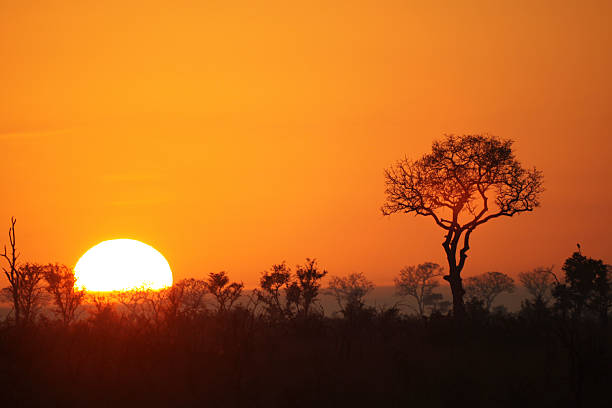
{"type": "Point", "coordinates": [464, 182]}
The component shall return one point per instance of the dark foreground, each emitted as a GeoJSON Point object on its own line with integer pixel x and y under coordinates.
{"type": "Point", "coordinates": [366, 359]}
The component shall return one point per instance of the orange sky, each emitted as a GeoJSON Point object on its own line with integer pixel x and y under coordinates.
{"type": "Point", "coordinates": [231, 137]}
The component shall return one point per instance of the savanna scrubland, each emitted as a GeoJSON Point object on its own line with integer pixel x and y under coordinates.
{"type": "Point", "coordinates": [211, 343]}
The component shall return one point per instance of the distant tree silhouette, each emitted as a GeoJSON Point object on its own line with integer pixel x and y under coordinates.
{"type": "Point", "coordinates": [173, 309]}
{"type": "Point", "coordinates": [186, 297]}
{"type": "Point", "coordinates": [304, 290]}
{"type": "Point", "coordinates": [284, 294]}
{"type": "Point", "coordinates": [539, 283]}
{"type": "Point", "coordinates": [463, 183]}
{"type": "Point", "coordinates": [100, 301]}
{"type": "Point", "coordinates": [224, 292]}
{"type": "Point", "coordinates": [65, 296]}
{"type": "Point", "coordinates": [350, 291]}
{"type": "Point", "coordinates": [133, 302]}
{"type": "Point", "coordinates": [419, 282]}
{"type": "Point", "coordinates": [272, 284]}
{"type": "Point", "coordinates": [487, 286]}
{"type": "Point", "coordinates": [103, 311]}
{"type": "Point", "coordinates": [138, 306]}
{"type": "Point", "coordinates": [155, 305]}
{"type": "Point", "coordinates": [31, 291]}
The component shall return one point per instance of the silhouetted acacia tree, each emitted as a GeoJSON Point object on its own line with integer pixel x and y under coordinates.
{"type": "Point", "coordinates": [487, 286]}
{"type": "Point", "coordinates": [350, 290]}
{"type": "Point", "coordinates": [464, 182]}
{"type": "Point", "coordinates": [419, 282]}
{"type": "Point", "coordinates": [539, 283]}
{"type": "Point", "coordinates": [65, 296]}
{"type": "Point", "coordinates": [225, 293]}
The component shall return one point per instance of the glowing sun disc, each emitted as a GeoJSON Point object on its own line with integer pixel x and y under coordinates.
{"type": "Point", "coordinates": [122, 264]}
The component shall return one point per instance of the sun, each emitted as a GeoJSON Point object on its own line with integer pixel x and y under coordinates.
{"type": "Point", "coordinates": [122, 264]}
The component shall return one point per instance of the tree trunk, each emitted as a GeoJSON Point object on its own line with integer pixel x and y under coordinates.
{"type": "Point", "coordinates": [457, 290]}
{"type": "Point", "coordinates": [454, 275]}
{"type": "Point", "coordinates": [451, 245]}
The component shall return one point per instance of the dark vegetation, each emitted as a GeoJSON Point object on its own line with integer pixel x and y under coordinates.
{"type": "Point", "coordinates": [210, 342]}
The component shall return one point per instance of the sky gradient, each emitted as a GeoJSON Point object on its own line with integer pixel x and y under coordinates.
{"type": "Point", "coordinates": [230, 137]}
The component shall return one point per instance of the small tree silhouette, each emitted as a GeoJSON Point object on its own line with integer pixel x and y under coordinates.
{"type": "Point", "coordinates": [132, 301]}
{"type": "Point", "coordinates": [31, 291]}
{"type": "Point", "coordinates": [103, 311]}
{"type": "Point", "coordinates": [155, 305]}
{"type": "Point", "coordinates": [61, 286]}
{"type": "Point", "coordinates": [304, 291]}
{"type": "Point", "coordinates": [463, 183]}
{"type": "Point", "coordinates": [488, 286]}
{"type": "Point", "coordinates": [225, 293]}
{"type": "Point", "coordinates": [186, 297]}
{"type": "Point", "coordinates": [173, 308]}
{"type": "Point", "coordinates": [350, 291]}
{"type": "Point", "coordinates": [419, 282]}
{"type": "Point", "coordinates": [272, 284]}
{"type": "Point", "coordinates": [539, 283]}
{"type": "Point", "coordinates": [286, 295]}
